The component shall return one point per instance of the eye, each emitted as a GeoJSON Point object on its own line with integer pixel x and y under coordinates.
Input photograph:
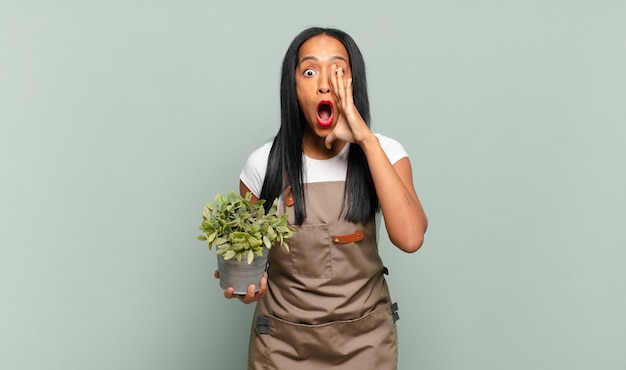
{"type": "Point", "coordinates": [309, 72]}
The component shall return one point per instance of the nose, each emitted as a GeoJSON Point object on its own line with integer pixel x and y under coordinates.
{"type": "Point", "coordinates": [324, 84]}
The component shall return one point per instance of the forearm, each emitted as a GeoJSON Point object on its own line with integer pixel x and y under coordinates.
{"type": "Point", "coordinates": [404, 216]}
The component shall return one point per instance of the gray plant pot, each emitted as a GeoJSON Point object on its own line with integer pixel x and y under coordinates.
{"type": "Point", "coordinates": [239, 275]}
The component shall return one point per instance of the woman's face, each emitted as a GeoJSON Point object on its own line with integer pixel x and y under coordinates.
{"type": "Point", "coordinates": [318, 59]}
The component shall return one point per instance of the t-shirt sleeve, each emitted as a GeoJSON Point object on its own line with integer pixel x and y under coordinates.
{"type": "Point", "coordinates": [394, 150]}
{"type": "Point", "coordinates": [253, 172]}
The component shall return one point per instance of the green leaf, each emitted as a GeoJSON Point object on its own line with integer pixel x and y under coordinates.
{"type": "Point", "coordinates": [212, 237]}
{"type": "Point", "coordinates": [254, 242]}
{"type": "Point", "coordinates": [271, 234]}
{"type": "Point", "coordinates": [229, 254]}
{"type": "Point", "coordinates": [267, 242]}
{"type": "Point", "coordinates": [222, 250]}
{"type": "Point", "coordinates": [250, 256]}
{"type": "Point", "coordinates": [238, 235]}
{"type": "Point", "coordinates": [282, 229]}
{"type": "Point", "coordinates": [220, 241]}
{"type": "Point", "coordinates": [274, 207]}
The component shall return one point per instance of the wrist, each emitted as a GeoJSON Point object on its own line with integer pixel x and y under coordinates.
{"type": "Point", "coordinates": [370, 141]}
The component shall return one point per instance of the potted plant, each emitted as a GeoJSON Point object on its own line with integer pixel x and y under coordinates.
{"type": "Point", "coordinates": [243, 233]}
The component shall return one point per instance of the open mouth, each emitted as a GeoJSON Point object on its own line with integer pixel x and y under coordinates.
{"type": "Point", "coordinates": [325, 113]}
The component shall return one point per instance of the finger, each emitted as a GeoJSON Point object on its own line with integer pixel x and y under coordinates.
{"type": "Point", "coordinates": [329, 139]}
{"type": "Point", "coordinates": [336, 82]}
{"type": "Point", "coordinates": [249, 298]}
{"type": "Point", "coordinates": [340, 84]}
{"type": "Point", "coordinates": [262, 287]}
{"type": "Point", "coordinates": [333, 80]}
{"type": "Point", "coordinates": [216, 274]}
{"type": "Point", "coordinates": [349, 95]}
{"type": "Point", "coordinates": [228, 293]}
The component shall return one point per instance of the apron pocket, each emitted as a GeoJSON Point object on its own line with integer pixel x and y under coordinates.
{"type": "Point", "coordinates": [311, 252]}
{"type": "Point", "coordinates": [368, 342]}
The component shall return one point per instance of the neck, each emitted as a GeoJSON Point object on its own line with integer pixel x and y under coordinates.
{"type": "Point", "coordinates": [315, 147]}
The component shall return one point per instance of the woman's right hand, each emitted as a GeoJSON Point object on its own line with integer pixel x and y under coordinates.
{"type": "Point", "coordinates": [252, 295]}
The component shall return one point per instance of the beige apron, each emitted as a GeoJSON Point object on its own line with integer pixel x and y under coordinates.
{"type": "Point", "coordinates": [327, 305]}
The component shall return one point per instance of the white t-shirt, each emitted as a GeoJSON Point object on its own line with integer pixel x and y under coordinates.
{"type": "Point", "coordinates": [314, 170]}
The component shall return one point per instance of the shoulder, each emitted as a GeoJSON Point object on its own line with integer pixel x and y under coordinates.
{"type": "Point", "coordinates": [253, 172]}
{"type": "Point", "coordinates": [260, 154]}
{"type": "Point", "coordinates": [392, 147]}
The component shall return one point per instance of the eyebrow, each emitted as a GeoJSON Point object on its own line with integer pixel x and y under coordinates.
{"type": "Point", "coordinates": [312, 57]}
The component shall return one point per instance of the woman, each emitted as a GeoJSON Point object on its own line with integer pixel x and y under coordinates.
{"type": "Point", "coordinates": [325, 303]}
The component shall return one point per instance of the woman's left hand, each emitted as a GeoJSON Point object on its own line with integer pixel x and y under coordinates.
{"type": "Point", "coordinates": [252, 294]}
{"type": "Point", "coordinates": [350, 125]}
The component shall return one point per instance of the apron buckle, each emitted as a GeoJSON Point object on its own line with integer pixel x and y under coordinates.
{"type": "Point", "coordinates": [263, 325]}
{"type": "Point", "coordinates": [394, 312]}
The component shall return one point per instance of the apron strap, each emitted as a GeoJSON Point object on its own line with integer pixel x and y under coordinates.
{"type": "Point", "coordinates": [348, 238]}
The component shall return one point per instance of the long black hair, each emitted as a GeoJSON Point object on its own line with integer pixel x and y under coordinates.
{"type": "Point", "coordinates": [284, 165]}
